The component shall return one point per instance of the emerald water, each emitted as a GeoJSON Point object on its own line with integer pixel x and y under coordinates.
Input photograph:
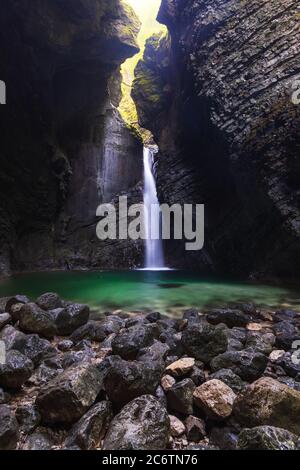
{"type": "Point", "coordinates": [169, 292]}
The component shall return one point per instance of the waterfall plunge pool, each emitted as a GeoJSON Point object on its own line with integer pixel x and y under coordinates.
{"type": "Point", "coordinates": [169, 292]}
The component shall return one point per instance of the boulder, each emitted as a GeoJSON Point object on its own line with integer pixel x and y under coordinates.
{"type": "Point", "coordinates": [176, 426]}
{"type": "Point", "coordinates": [286, 333]}
{"type": "Point", "coordinates": [261, 342]}
{"type": "Point", "coordinates": [71, 318]}
{"type": "Point", "coordinates": [13, 338]}
{"type": "Point", "coordinates": [215, 399]}
{"type": "Point", "coordinates": [289, 364]}
{"type": "Point", "coordinates": [28, 418]}
{"type": "Point", "coordinates": [229, 317]}
{"type": "Point", "coordinates": [181, 367]}
{"type": "Point", "coordinates": [40, 440]}
{"type": "Point", "coordinates": [180, 397]}
{"type": "Point", "coordinates": [49, 301]}
{"type": "Point", "coordinates": [203, 341]}
{"type": "Point", "coordinates": [195, 429]}
{"type": "Point", "coordinates": [130, 341]}
{"type": "Point", "coordinates": [9, 431]}
{"type": "Point", "coordinates": [197, 375]}
{"type": "Point", "coordinates": [247, 364]}
{"type": "Point", "coordinates": [156, 352]}
{"type": "Point", "coordinates": [98, 331]}
{"type": "Point", "coordinates": [16, 370]}
{"type": "Point", "coordinates": [267, 438]}
{"type": "Point", "coordinates": [91, 428]}
{"type": "Point", "coordinates": [171, 338]}
{"type": "Point", "coordinates": [7, 303]}
{"type": "Point", "coordinates": [38, 349]}
{"type": "Point", "coordinates": [268, 402]}
{"type": "Point", "coordinates": [229, 378]}
{"type": "Point", "coordinates": [65, 345]}
{"type": "Point", "coordinates": [226, 438]}
{"type": "Point", "coordinates": [67, 397]}
{"type": "Point", "coordinates": [5, 319]}
{"type": "Point", "coordinates": [143, 424]}
{"type": "Point", "coordinates": [35, 320]}
{"type": "Point", "coordinates": [4, 397]}
{"type": "Point", "coordinates": [192, 316]}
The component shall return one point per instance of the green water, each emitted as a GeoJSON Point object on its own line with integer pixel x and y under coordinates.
{"type": "Point", "coordinates": [168, 292]}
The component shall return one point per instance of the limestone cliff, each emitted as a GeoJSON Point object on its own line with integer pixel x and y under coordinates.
{"type": "Point", "coordinates": [218, 101]}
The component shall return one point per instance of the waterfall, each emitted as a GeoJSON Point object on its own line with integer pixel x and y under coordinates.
{"type": "Point", "coordinates": [154, 245]}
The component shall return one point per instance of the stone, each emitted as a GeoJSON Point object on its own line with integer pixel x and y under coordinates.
{"type": "Point", "coordinates": [142, 424]}
{"type": "Point", "coordinates": [38, 349]}
{"type": "Point", "coordinates": [67, 397]}
{"type": "Point", "coordinates": [177, 427]}
{"type": "Point", "coordinates": [225, 438]}
{"type": "Point", "coordinates": [169, 337]}
{"type": "Point", "coordinates": [180, 397]}
{"type": "Point", "coordinates": [5, 319]}
{"type": "Point", "coordinates": [230, 379]}
{"type": "Point", "coordinates": [91, 428]}
{"type": "Point", "coordinates": [35, 320]}
{"type": "Point", "coordinates": [71, 318]}
{"type": "Point", "coordinates": [156, 352]}
{"type": "Point", "coordinates": [181, 367]}
{"type": "Point", "coordinates": [268, 402]}
{"type": "Point", "coordinates": [98, 331]}
{"type": "Point", "coordinates": [247, 364]}
{"type": "Point", "coordinates": [203, 341]}
{"type": "Point", "coordinates": [262, 343]}
{"type": "Point", "coordinates": [290, 364]}
{"type": "Point", "coordinates": [286, 333]}
{"type": "Point", "coordinates": [161, 396]}
{"type": "Point", "coordinates": [267, 438]}
{"type": "Point", "coordinates": [28, 418]}
{"type": "Point", "coordinates": [15, 300]}
{"type": "Point", "coordinates": [16, 370]}
{"type": "Point", "coordinates": [49, 301]}
{"type": "Point", "coordinates": [167, 382]}
{"type": "Point", "coordinates": [231, 318]}
{"type": "Point", "coordinates": [192, 316]}
{"type": "Point", "coordinates": [126, 380]}
{"type": "Point", "coordinates": [15, 312]}
{"type": "Point", "coordinates": [40, 440]}
{"type": "Point", "coordinates": [195, 429]}
{"type": "Point", "coordinates": [13, 338]}
{"type": "Point", "coordinates": [197, 375]}
{"type": "Point", "coordinates": [4, 397]}
{"type": "Point", "coordinates": [287, 315]}
{"type": "Point", "coordinates": [9, 431]}
{"type": "Point", "coordinates": [130, 341]}
{"type": "Point", "coordinates": [65, 345]}
{"type": "Point", "coordinates": [153, 317]}
{"type": "Point", "coordinates": [44, 374]}
{"type": "Point", "coordinates": [215, 399]}
{"type": "Point", "coordinates": [276, 354]}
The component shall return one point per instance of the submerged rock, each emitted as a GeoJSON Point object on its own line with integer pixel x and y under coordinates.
{"type": "Point", "coordinates": [142, 425]}
{"type": "Point", "coordinates": [267, 438]}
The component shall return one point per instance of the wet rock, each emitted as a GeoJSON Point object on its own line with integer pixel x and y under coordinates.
{"type": "Point", "coordinates": [71, 318]}
{"type": "Point", "coordinates": [286, 333]}
{"type": "Point", "coordinates": [215, 399]}
{"type": "Point", "coordinates": [28, 418]}
{"type": "Point", "coordinates": [167, 382]}
{"type": "Point", "coordinates": [98, 331]}
{"type": "Point", "coordinates": [5, 319]}
{"type": "Point", "coordinates": [231, 318]}
{"type": "Point", "coordinates": [267, 438]}
{"type": "Point", "coordinates": [38, 349]}
{"type": "Point", "coordinates": [181, 367]}
{"type": "Point", "coordinates": [65, 345]}
{"type": "Point", "coordinates": [35, 320]}
{"type": "Point", "coordinates": [268, 402]}
{"type": "Point", "coordinates": [12, 338]}
{"type": "Point", "coordinates": [49, 301]}
{"type": "Point", "coordinates": [203, 341]}
{"type": "Point", "coordinates": [91, 428]}
{"type": "Point", "coordinates": [247, 364]}
{"type": "Point", "coordinates": [40, 440]}
{"type": "Point", "coordinates": [126, 380]}
{"type": "Point", "coordinates": [143, 424]}
{"type": "Point", "coordinates": [262, 343]}
{"type": "Point", "coordinates": [176, 426]}
{"type": "Point", "coordinates": [130, 341]}
{"type": "Point", "coordinates": [180, 397]}
{"type": "Point", "coordinates": [16, 370]}
{"type": "Point", "coordinates": [9, 431]}
{"type": "Point", "coordinates": [195, 429]}
{"type": "Point", "coordinates": [66, 398]}
{"type": "Point", "coordinates": [229, 378]}
{"type": "Point", "coordinates": [225, 438]}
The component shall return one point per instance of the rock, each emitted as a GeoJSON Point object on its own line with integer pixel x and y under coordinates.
{"type": "Point", "coordinates": [267, 438]}
{"type": "Point", "coordinates": [98, 331]}
{"type": "Point", "coordinates": [9, 302]}
{"type": "Point", "coordinates": [177, 426]}
{"type": "Point", "coordinates": [167, 382]}
{"type": "Point", "coordinates": [192, 316]}
{"type": "Point", "coordinates": [35, 320]}
{"type": "Point", "coordinates": [38, 349]}
{"type": "Point", "coordinates": [195, 429]}
{"type": "Point", "coordinates": [16, 370]}
{"type": "Point", "coordinates": [287, 315]}
{"type": "Point", "coordinates": [225, 438]}
{"type": "Point", "coordinates": [130, 341]}
{"type": "Point", "coordinates": [203, 341]}
{"type": "Point", "coordinates": [28, 418]}
{"type": "Point", "coordinates": [181, 367]}
{"type": "Point", "coordinates": [289, 364]}
{"type": "Point", "coordinates": [71, 318]}
{"type": "Point", "coordinates": [231, 318]}
{"type": "Point", "coordinates": [156, 352]}
{"type": "Point", "coordinates": [198, 376]}
{"type": "Point", "coordinates": [40, 440]}
{"type": "Point", "coordinates": [262, 343]}
{"type": "Point", "coordinates": [15, 312]}
{"type": "Point", "coordinates": [12, 338]}
{"type": "Point", "coordinates": [49, 301]}
{"type": "Point", "coordinates": [91, 428]}
{"type": "Point", "coordinates": [169, 336]}
{"type": "Point", "coordinates": [276, 355]}
{"type": "Point", "coordinates": [161, 396]}
{"type": "Point", "coordinates": [4, 397]}
{"type": "Point", "coordinates": [268, 402]}
{"type": "Point", "coordinates": [229, 378]}
{"type": "Point", "coordinates": [44, 374]}
{"type": "Point", "coordinates": [153, 317]}
{"type": "Point", "coordinates": [66, 398]}
{"type": "Point", "coordinates": [143, 424]}
{"type": "Point", "coordinates": [180, 397]}
{"type": "Point", "coordinates": [215, 399]}
{"type": "Point", "coordinates": [247, 364]}
{"type": "Point", "coordinates": [286, 333]}
{"type": "Point", "coordinates": [125, 380]}
{"type": "Point", "coordinates": [65, 345]}
{"type": "Point", "coordinates": [5, 319]}
{"type": "Point", "coordinates": [9, 432]}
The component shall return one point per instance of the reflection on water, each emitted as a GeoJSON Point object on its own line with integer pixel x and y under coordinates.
{"type": "Point", "coordinates": [167, 292]}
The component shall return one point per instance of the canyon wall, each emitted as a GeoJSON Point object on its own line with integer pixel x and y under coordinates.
{"type": "Point", "coordinates": [64, 147]}
{"type": "Point", "coordinates": [217, 95]}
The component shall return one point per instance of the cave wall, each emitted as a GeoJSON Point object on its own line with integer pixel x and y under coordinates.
{"type": "Point", "coordinates": [64, 147]}
{"type": "Point", "coordinates": [218, 101]}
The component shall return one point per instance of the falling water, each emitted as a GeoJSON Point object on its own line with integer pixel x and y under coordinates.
{"type": "Point", "coordinates": [154, 246]}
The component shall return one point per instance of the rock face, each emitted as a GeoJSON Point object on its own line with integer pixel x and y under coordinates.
{"type": "Point", "coordinates": [64, 146]}
{"type": "Point", "coordinates": [217, 98]}
{"type": "Point", "coordinates": [142, 425]}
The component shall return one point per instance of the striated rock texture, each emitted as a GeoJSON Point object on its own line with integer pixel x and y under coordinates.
{"type": "Point", "coordinates": [218, 101]}
{"type": "Point", "coordinates": [64, 148]}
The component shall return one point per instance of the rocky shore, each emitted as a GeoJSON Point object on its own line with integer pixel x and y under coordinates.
{"type": "Point", "coordinates": [71, 379]}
